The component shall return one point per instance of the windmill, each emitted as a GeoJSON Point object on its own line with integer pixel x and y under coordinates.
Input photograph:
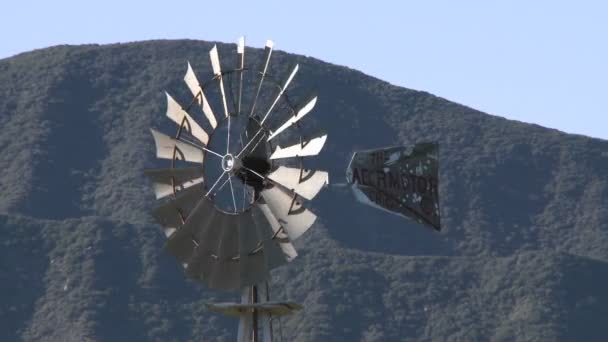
{"type": "Point", "coordinates": [236, 184]}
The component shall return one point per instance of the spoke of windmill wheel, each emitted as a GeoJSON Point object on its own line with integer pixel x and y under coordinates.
{"type": "Point", "coordinates": [199, 146]}
{"type": "Point", "coordinates": [223, 185]}
{"type": "Point", "coordinates": [254, 172]}
{"type": "Point", "coordinates": [264, 177]}
{"type": "Point", "coordinates": [232, 192]}
{"type": "Point", "coordinates": [281, 91]}
{"type": "Point", "coordinates": [240, 50]}
{"type": "Point", "coordinates": [258, 142]}
{"type": "Point", "coordinates": [216, 182]}
{"type": "Point", "coordinates": [267, 54]}
{"type": "Point", "coordinates": [212, 152]}
{"type": "Point", "coordinates": [292, 120]}
{"type": "Point", "coordinates": [249, 142]}
{"type": "Point", "coordinates": [228, 137]}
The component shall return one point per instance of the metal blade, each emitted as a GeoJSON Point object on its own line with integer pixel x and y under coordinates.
{"type": "Point", "coordinates": [267, 54]}
{"type": "Point", "coordinates": [307, 183]}
{"type": "Point", "coordinates": [240, 50]}
{"type": "Point", "coordinates": [165, 181]}
{"type": "Point", "coordinates": [176, 113]}
{"type": "Point", "coordinates": [217, 71]}
{"type": "Point", "coordinates": [269, 228]}
{"type": "Point", "coordinates": [252, 264]}
{"type": "Point", "coordinates": [308, 148]}
{"type": "Point", "coordinates": [281, 91]}
{"type": "Point", "coordinates": [289, 211]}
{"type": "Point", "coordinates": [183, 243]}
{"type": "Point", "coordinates": [175, 212]}
{"type": "Point", "coordinates": [225, 272]}
{"type": "Point", "coordinates": [299, 115]}
{"type": "Point", "coordinates": [170, 148]}
{"type": "Point", "coordinates": [203, 226]}
{"type": "Point", "coordinates": [199, 95]}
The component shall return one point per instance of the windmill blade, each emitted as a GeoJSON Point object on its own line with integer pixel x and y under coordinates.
{"type": "Point", "coordinates": [240, 51]}
{"type": "Point", "coordinates": [299, 115]}
{"type": "Point", "coordinates": [217, 71]}
{"type": "Point", "coordinates": [203, 225]}
{"type": "Point", "coordinates": [176, 113]}
{"type": "Point", "coordinates": [170, 148]}
{"type": "Point", "coordinates": [181, 246]}
{"type": "Point", "coordinates": [199, 95]}
{"type": "Point", "coordinates": [165, 181]}
{"type": "Point", "coordinates": [306, 183]}
{"type": "Point", "coordinates": [310, 147]}
{"type": "Point", "coordinates": [187, 238]}
{"type": "Point", "coordinates": [267, 54]}
{"type": "Point", "coordinates": [225, 272]}
{"type": "Point", "coordinates": [281, 91]}
{"type": "Point", "coordinates": [252, 264]}
{"type": "Point", "coordinates": [278, 249]}
{"type": "Point", "coordinates": [226, 256]}
{"type": "Point", "coordinates": [289, 211]}
{"type": "Point", "coordinates": [175, 212]}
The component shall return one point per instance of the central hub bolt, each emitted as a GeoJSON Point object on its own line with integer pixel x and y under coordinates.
{"type": "Point", "coordinates": [228, 162]}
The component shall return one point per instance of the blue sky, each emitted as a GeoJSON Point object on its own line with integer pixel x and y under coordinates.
{"type": "Point", "coordinates": [543, 62]}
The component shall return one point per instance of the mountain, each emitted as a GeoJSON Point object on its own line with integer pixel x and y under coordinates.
{"type": "Point", "coordinates": [523, 254]}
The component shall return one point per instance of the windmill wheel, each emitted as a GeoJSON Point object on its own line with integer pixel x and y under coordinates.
{"type": "Point", "coordinates": [233, 196]}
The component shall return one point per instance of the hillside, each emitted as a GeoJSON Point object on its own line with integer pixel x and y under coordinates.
{"type": "Point", "coordinates": [523, 254]}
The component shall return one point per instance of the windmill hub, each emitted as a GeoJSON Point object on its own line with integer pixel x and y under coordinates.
{"type": "Point", "coordinates": [229, 163]}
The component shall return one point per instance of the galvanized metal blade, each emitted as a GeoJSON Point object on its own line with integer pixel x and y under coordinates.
{"type": "Point", "coordinates": [240, 50]}
{"type": "Point", "coordinates": [289, 211]}
{"type": "Point", "coordinates": [278, 249]}
{"type": "Point", "coordinates": [252, 264]}
{"type": "Point", "coordinates": [199, 95]}
{"type": "Point", "coordinates": [225, 272]}
{"type": "Point", "coordinates": [267, 54]}
{"type": "Point", "coordinates": [217, 71]}
{"type": "Point", "coordinates": [306, 183]}
{"type": "Point", "coordinates": [177, 113]}
{"type": "Point", "coordinates": [292, 120]}
{"type": "Point", "coordinates": [169, 181]}
{"type": "Point", "coordinates": [170, 148]}
{"type": "Point", "coordinates": [310, 147]}
{"type": "Point", "coordinates": [183, 243]}
{"type": "Point", "coordinates": [175, 212]}
{"type": "Point", "coordinates": [281, 91]}
{"type": "Point", "coordinates": [208, 233]}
